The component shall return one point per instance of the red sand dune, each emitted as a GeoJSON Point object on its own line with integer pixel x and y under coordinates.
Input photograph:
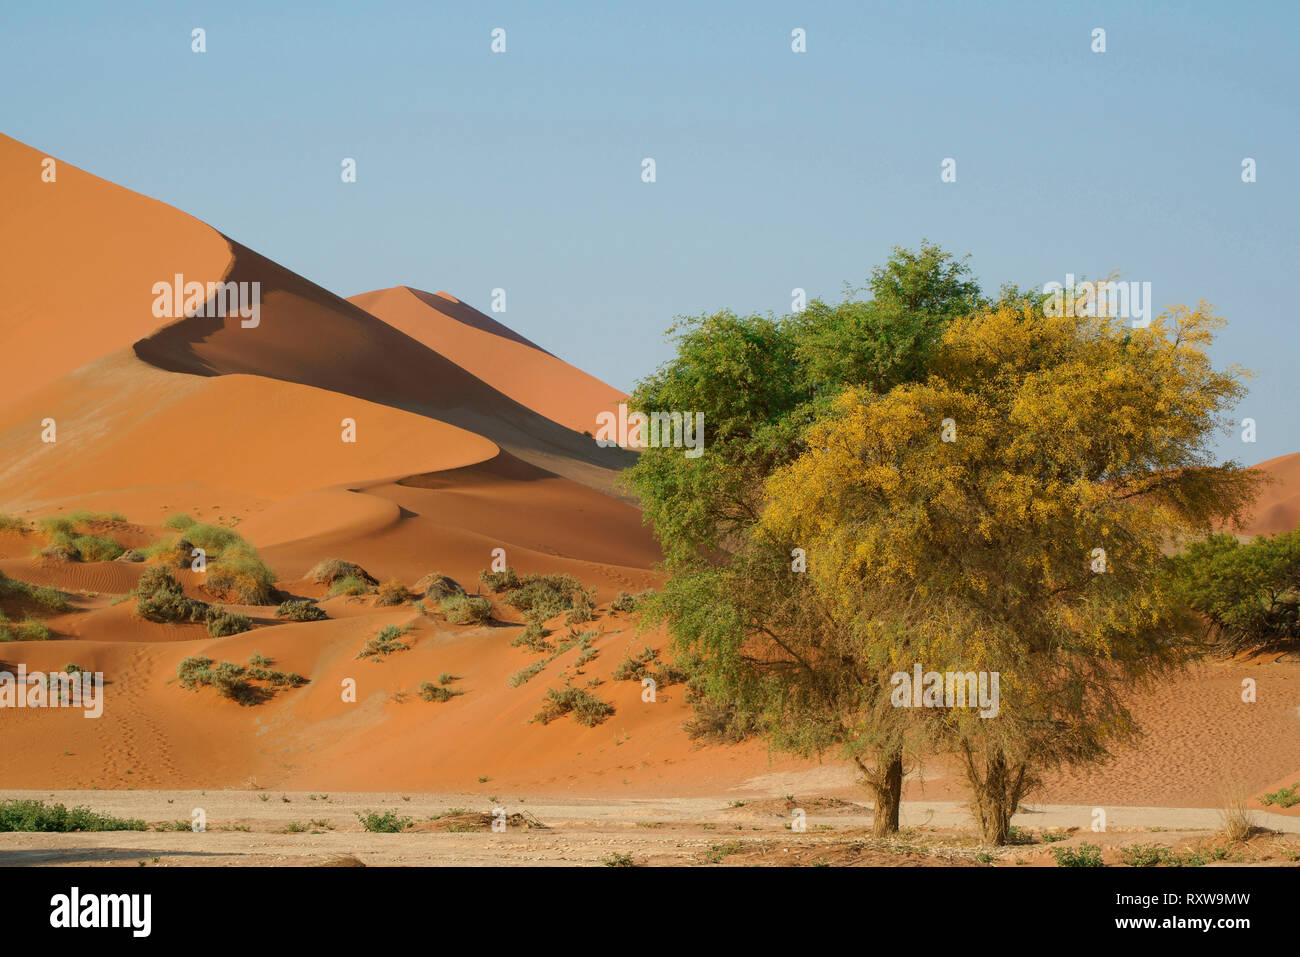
{"type": "Point", "coordinates": [1278, 506]}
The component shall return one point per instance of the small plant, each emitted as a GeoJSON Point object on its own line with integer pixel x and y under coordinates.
{"type": "Point", "coordinates": [25, 815]}
{"type": "Point", "coordinates": [447, 678]}
{"type": "Point", "coordinates": [1085, 855]}
{"type": "Point", "coordinates": [1143, 855]}
{"type": "Point", "coordinates": [386, 822]}
{"type": "Point", "coordinates": [350, 586]}
{"type": "Point", "coordinates": [464, 610]}
{"type": "Point", "coordinates": [160, 598]}
{"type": "Point", "coordinates": [634, 668]}
{"type": "Point", "coordinates": [300, 609]}
{"type": "Point", "coordinates": [432, 692]}
{"type": "Point", "coordinates": [533, 637]}
{"type": "Point", "coordinates": [618, 860]}
{"type": "Point", "coordinates": [1282, 797]}
{"type": "Point", "coordinates": [13, 524]}
{"type": "Point", "coordinates": [586, 708]}
{"type": "Point", "coordinates": [392, 592]}
{"type": "Point", "coordinates": [223, 624]}
{"type": "Point", "coordinates": [498, 582]}
{"type": "Point", "coordinates": [524, 675]}
{"type": "Point", "coordinates": [385, 642]}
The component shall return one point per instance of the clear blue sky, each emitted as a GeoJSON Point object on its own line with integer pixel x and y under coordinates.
{"type": "Point", "coordinates": [775, 169]}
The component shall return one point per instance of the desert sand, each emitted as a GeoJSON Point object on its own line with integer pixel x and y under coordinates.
{"type": "Point", "coordinates": [469, 439]}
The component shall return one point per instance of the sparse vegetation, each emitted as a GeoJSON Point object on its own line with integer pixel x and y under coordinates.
{"type": "Point", "coordinates": [586, 708]}
{"type": "Point", "coordinates": [533, 637]}
{"type": "Point", "coordinates": [392, 592]}
{"type": "Point", "coordinates": [383, 822]}
{"type": "Point", "coordinates": [385, 643]}
{"type": "Point", "coordinates": [1282, 797]}
{"type": "Point", "coordinates": [436, 586]}
{"type": "Point", "coordinates": [432, 692]}
{"type": "Point", "coordinates": [159, 597]}
{"type": "Point", "coordinates": [497, 582]}
{"type": "Point", "coordinates": [13, 524]}
{"type": "Point", "coordinates": [349, 585]}
{"type": "Point", "coordinates": [1085, 855]}
{"type": "Point", "coordinates": [542, 597]}
{"type": "Point", "coordinates": [464, 610]}
{"type": "Point", "coordinates": [26, 815]}
{"type": "Point", "coordinates": [223, 624]}
{"type": "Point", "coordinates": [234, 681]}
{"type": "Point", "coordinates": [300, 609]}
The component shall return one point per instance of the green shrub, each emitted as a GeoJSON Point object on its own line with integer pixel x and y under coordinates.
{"type": "Point", "coordinates": [437, 586]}
{"type": "Point", "coordinates": [1249, 593]}
{"type": "Point", "coordinates": [179, 521]}
{"type": "Point", "coordinates": [1085, 855]}
{"type": "Point", "coordinates": [51, 599]}
{"type": "Point", "coordinates": [299, 609]}
{"type": "Point", "coordinates": [586, 708]}
{"type": "Point", "coordinates": [432, 692]}
{"type": "Point", "coordinates": [634, 668]}
{"type": "Point", "coordinates": [349, 585]}
{"type": "Point", "coordinates": [233, 681]}
{"type": "Point", "coordinates": [1282, 797]}
{"type": "Point", "coordinates": [542, 597]}
{"type": "Point", "coordinates": [26, 815]}
{"type": "Point", "coordinates": [533, 637]}
{"type": "Point", "coordinates": [524, 675]}
{"type": "Point", "coordinates": [498, 582]}
{"type": "Point", "coordinates": [223, 624]}
{"type": "Point", "coordinates": [12, 523]}
{"type": "Point", "coordinates": [623, 602]}
{"type": "Point", "coordinates": [1143, 855]}
{"type": "Point", "coordinates": [447, 678]}
{"type": "Point", "coordinates": [159, 597]}
{"type": "Point", "coordinates": [386, 822]}
{"type": "Point", "coordinates": [464, 610]}
{"type": "Point", "coordinates": [29, 629]}
{"type": "Point", "coordinates": [332, 570]}
{"type": "Point", "coordinates": [240, 574]}
{"type": "Point", "coordinates": [385, 642]}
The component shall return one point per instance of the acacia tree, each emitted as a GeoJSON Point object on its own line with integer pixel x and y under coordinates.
{"type": "Point", "coordinates": [754, 636]}
{"type": "Point", "coordinates": [1016, 503]}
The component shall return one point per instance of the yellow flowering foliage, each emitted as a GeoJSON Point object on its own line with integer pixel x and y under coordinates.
{"type": "Point", "coordinates": [1011, 512]}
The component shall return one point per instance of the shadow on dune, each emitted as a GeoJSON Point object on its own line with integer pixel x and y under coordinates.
{"type": "Point", "coordinates": [44, 857]}
{"type": "Point", "coordinates": [310, 336]}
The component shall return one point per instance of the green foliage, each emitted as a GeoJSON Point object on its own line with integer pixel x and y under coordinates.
{"type": "Point", "coordinates": [542, 597]}
{"type": "Point", "coordinates": [96, 548]}
{"type": "Point", "coordinates": [392, 592]}
{"type": "Point", "coordinates": [526, 674]}
{"type": "Point", "coordinates": [464, 610]}
{"type": "Point", "coordinates": [1085, 855]}
{"type": "Point", "coordinates": [223, 624]}
{"type": "Point", "coordinates": [241, 575]}
{"type": "Point", "coordinates": [1282, 797]}
{"type": "Point", "coordinates": [349, 585]}
{"type": "Point", "coordinates": [234, 681]}
{"type": "Point", "coordinates": [26, 815]}
{"type": "Point", "coordinates": [533, 637]}
{"type": "Point", "coordinates": [1249, 593]}
{"type": "Point", "coordinates": [159, 597]}
{"type": "Point", "coordinates": [13, 524]}
{"type": "Point", "coordinates": [635, 667]}
{"type": "Point", "coordinates": [383, 822]}
{"type": "Point", "coordinates": [332, 569]}
{"type": "Point", "coordinates": [178, 521]}
{"type": "Point", "coordinates": [586, 709]}
{"type": "Point", "coordinates": [498, 582]}
{"type": "Point", "coordinates": [1143, 855]}
{"type": "Point", "coordinates": [299, 609]}
{"type": "Point", "coordinates": [49, 599]}
{"type": "Point", "coordinates": [432, 692]}
{"type": "Point", "coordinates": [385, 643]}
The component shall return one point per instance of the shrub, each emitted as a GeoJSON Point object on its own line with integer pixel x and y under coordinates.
{"type": "Point", "coordinates": [1143, 855]}
{"type": "Point", "coordinates": [542, 597]}
{"type": "Point", "coordinates": [432, 692]}
{"type": "Point", "coordinates": [60, 552]}
{"type": "Point", "coordinates": [387, 822]}
{"type": "Point", "coordinates": [298, 609]}
{"type": "Point", "coordinates": [223, 624]}
{"type": "Point", "coordinates": [623, 602]}
{"type": "Point", "coordinates": [586, 708]}
{"type": "Point", "coordinates": [24, 815]}
{"type": "Point", "coordinates": [179, 521]}
{"type": "Point", "coordinates": [332, 569]}
{"type": "Point", "coordinates": [438, 586]}
{"type": "Point", "coordinates": [717, 722]}
{"type": "Point", "coordinates": [1282, 797]}
{"type": "Point", "coordinates": [131, 555]}
{"type": "Point", "coordinates": [533, 637]}
{"type": "Point", "coordinates": [96, 548]}
{"type": "Point", "coordinates": [1250, 593]}
{"type": "Point", "coordinates": [498, 582]}
{"type": "Point", "coordinates": [12, 523]}
{"type": "Point", "coordinates": [233, 681]}
{"type": "Point", "coordinates": [524, 675]}
{"type": "Point", "coordinates": [349, 585]}
{"type": "Point", "coordinates": [583, 611]}
{"type": "Point", "coordinates": [447, 678]}
{"type": "Point", "coordinates": [240, 574]}
{"type": "Point", "coordinates": [385, 642]}
{"type": "Point", "coordinates": [29, 629]}
{"type": "Point", "coordinates": [159, 597]}
{"type": "Point", "coordinates": [1085, 855]}
{"type": "Point", "coordinates": [392, 592]}
{"type": "Point", "coordinates": [463, 610]}
{"type": "Point", "coordinates": [634, 668]}
{"type": "Point", "coordinates": [51, 599]}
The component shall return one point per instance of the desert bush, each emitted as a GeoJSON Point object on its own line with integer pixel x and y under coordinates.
{"type": "Point", "coordinates": [14, 524]}
{"type": "Point", "coordinates": [542, 597]}
{"type": "Point", "coordinates": [239, 573]}
{"type": "Point", "coordinates": [1282, 797]}
{"type": "Point", "coordinates": [1143, 855]}
{"type": "Point", "coordinates": [387, 641]}
{"type": "Point", "coordinates": [464, 610]}
{"type": "Point", "coordinates": [524, 675]}
{"type": "Point", "coordinates": [385, 822]}
{"type": "Point", "coordinates": [1085, 855]}
{"type": "Point", "coordinates": [717, 722]}
{"type": "Point", "coordinates": [447, 678]}
{"type": "Point", "coordinates": [51, 599]}
{"type": "Point", "coordinates": [635, 667]}
{"type": "Point", "coordinates": [131, 555]}
{"type": "Point", "coordinates": [432, 692]}
{"type": "Point", "coordinates": [533, 637]}
{"type": "Point", "coordinates": [96, 548]}
{"type": "Point", "coordinates": [1249, 593]}
{"type": "Point", "coordinates": [159, 597]}
{"type": "Point", "coordinates": [586, 708]}
{"type": "Point", "coordinates": [1238, 822]}
{"type": "Point", "coordinates": [233, 681]}
{"type": "Point", "coordinates": [498, 582]}
{"type": "Point", "coordinates": [392, 592]}
{"type": "Point", "coordinates": [60, 552]}
{"type": "Point", "coordinates": [438, 586]}
{"type": "Point", "coordinates": [26, 815]}
{"type": "Point", "coordinates": [583, 610]}
{"type": "Point", "coordinates": [223, 624]}
{"type": "Point", "coordinates": [299, 609]}
{"type": "Point", "coordinates": [333, 569]}
{"type": "Point", "coordinates": [29, 629]}
{"type": "Point", "coordinates": [349, 585]}
{"type": "Point", "coordinates": [623, 602]}
{"type": "Point", "coordinates": [179, 521]}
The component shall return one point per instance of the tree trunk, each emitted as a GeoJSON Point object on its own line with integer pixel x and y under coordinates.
{"type": "Point", "coordinates": [886, 783]}
{"type": "Point", "coordinates": [997, 794]}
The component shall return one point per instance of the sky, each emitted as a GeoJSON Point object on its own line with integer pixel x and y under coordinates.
{"type": "Point", "coordinates": [774, 170]}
